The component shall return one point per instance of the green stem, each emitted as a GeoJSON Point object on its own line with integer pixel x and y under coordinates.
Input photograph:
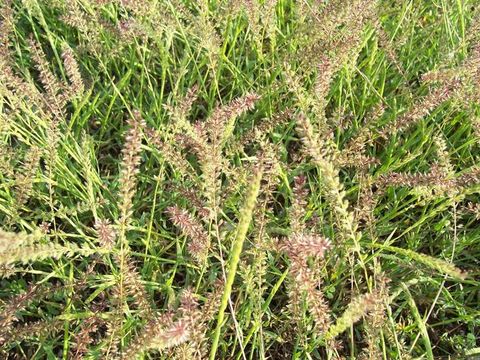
{"type": "Point", "coordinates": [242, 228]}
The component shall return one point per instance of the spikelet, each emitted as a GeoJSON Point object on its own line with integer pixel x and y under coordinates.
{"type": "Point", "coordinates": [115, 322]}
{"type": "Point", "coordinates": [177, 333]}
{"type": "Point", "coordinates": [6, 271]}
{"type": "Point", "coordinates": [6, 29]}
{"type": "Point", "coordinates": [389, 49]}
{"type": "Point", "coordinates": [198, 318]}
{"type": "Point", "coordinates": [421, 108]}
{"type": "Point", "coordinates": [325, 72]}
{"type": "Point", "coordinates": [353, 154]}
{"type": "Point", "coordinates": [358, 308]}
{"type": "Point", "coordinates": [261, 19]}
{"type": "Point", "coordinates": [129, 279]}
{"type": "Point", "coordinates": [83, 338]}
{"type": "Point", "coordinates": [106, 234]}
{"type": "Point", "coordinates": [130, 166]}
{"type": "Point", "coordinates": [474, 209]}
{"type": "Point", "coordinates": [196, 321]}
{"type": "Point", "coordinates": [44, 227]}
{"type": "Point", "coordinates": [330, 176]}
{"type": "Point", "coordinates": [194, 199]}
{"type": "Point", "coordinates": [38, 329]}
{"type": "Point", "coordinates": [190, 136]}
{"type": "Point", "coordinates": [220, 123]}
{"type": "Point", "coordinates": [256, 268]}
{"type": "Point", "coordinates": [180, 111]}
{"type": "Point", "coordinates": [348, 158]}
{"type": "Point", "coordinates": [308, 101]}
{"type": "Point", "coordinates": [258, 132]}
{"type": "Point", "coordinates": [50, 83]}
{"type": "Point", "coordinates": [139, 8]}
{"type": "Point", "coordinates": [103, 2]}
{"type": "Point", "coordinates": [466, 75]}
{"type": "Point", "coordinates": [300, 247]}
{"type": "Point", "coordinates": [436, 264]}
{"type": "Point", "coordinates": [376, 319]}
{"type": "Point", "coordinates": [79, 208]}
{"type": "Point", "coordinates": [75, 17]}
{"type": "Point", "coordinates": [299, 202]}
{"type": "Point", "coordinates": [443, 156]}
{"type": "Point", "coordinates": [442, 76]}
{"type": "Point", "coordinates": [131, 30]}
{"type": "Point", "coordinates": [170, 153]}
{"type": "Point", "coordinates": [35, 252]}
{"type": "Point", "coordinates": [159, 334]}
{"type": "Point", "coordinates": [194, 140]}
{"type": "Point", "coordinates": [318, 305]}
{"type": "Point", "coordinates": [24, 248]}
{"type": "Point", "coordinates": [24, 179]}
{"type": "Point", "coordinates": [151, 20]}
{"type": "Point", "coordinates": [132, 284]}
{"type": "Point", "coordinates": [20, 94]}
{"type": "Point", "coordinates": [199, 240]}
{"type": "Point", "coordinates": [11, 85]}
{"type": "Point", "coordinates": [333, 28]}
{"type": "Point", "coordinates": [88, 25]}
{"type": "Point", "coordinates": [253, 11]}
{"type": "Point", "coordinates": [314, 145]}
{"type": "Point", "coordinates": [439, 179]}
{"type": "Point", "coordinates": [468, 178]}
{"type": "Point", "coordinates": [73, 72]}
{"type": "Point", "coordinates": [9, 240]}
{"type": "Point", "coordinates": [19, 302]}
{"type": "Point", "coordinates": [219, 128]}
{"type": "Point", "coordinates": [434, 177]}
{"type": "Point", "coordinates": [6, 155]}
{"type": "Point", "coordinates": [203, 28]}
{"type": "Point", "coordinates": [52, 107]}
{"type": "Point", "coordinates": [367, 200]}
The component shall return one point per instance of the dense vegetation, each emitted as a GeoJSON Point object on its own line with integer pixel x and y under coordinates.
{"type": "Point", "coordinates": [269, 179]}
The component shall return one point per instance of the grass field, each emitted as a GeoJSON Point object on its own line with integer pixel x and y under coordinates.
{"type": "Point", "coordinates": [249, 179]}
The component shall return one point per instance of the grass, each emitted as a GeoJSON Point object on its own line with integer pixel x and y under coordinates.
{"type": "Point", "coordinates": [322, 165]}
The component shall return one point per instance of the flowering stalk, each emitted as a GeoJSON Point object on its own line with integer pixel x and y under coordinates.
{"type": "Point", "coordinates": [73, 72]}
{"type": "Point", "coordinates": [199, 239]}
{"type": "Point", "coordinates": [354, 312]}
{"type": "Point", "coordinates": [130, 168]}
{"type": "Point", "coordinates": [330, 176]}
{"type": "Point", "coordinates": [300, 247]}
{"type": "Point", "coordinates": [130, 164]}
{"type": "Point", "coordinates": [242, 228]}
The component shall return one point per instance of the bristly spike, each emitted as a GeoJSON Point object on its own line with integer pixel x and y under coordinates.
{"type": "Point", "coordinates": [130, 166]}
{"type": "Point", "coordinates": [199, 239]}
{"type": "Point", "coordinates": [73, 72]}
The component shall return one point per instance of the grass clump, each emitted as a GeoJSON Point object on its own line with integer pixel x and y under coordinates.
{"type": "Point", "coordinates": [239, 179]}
